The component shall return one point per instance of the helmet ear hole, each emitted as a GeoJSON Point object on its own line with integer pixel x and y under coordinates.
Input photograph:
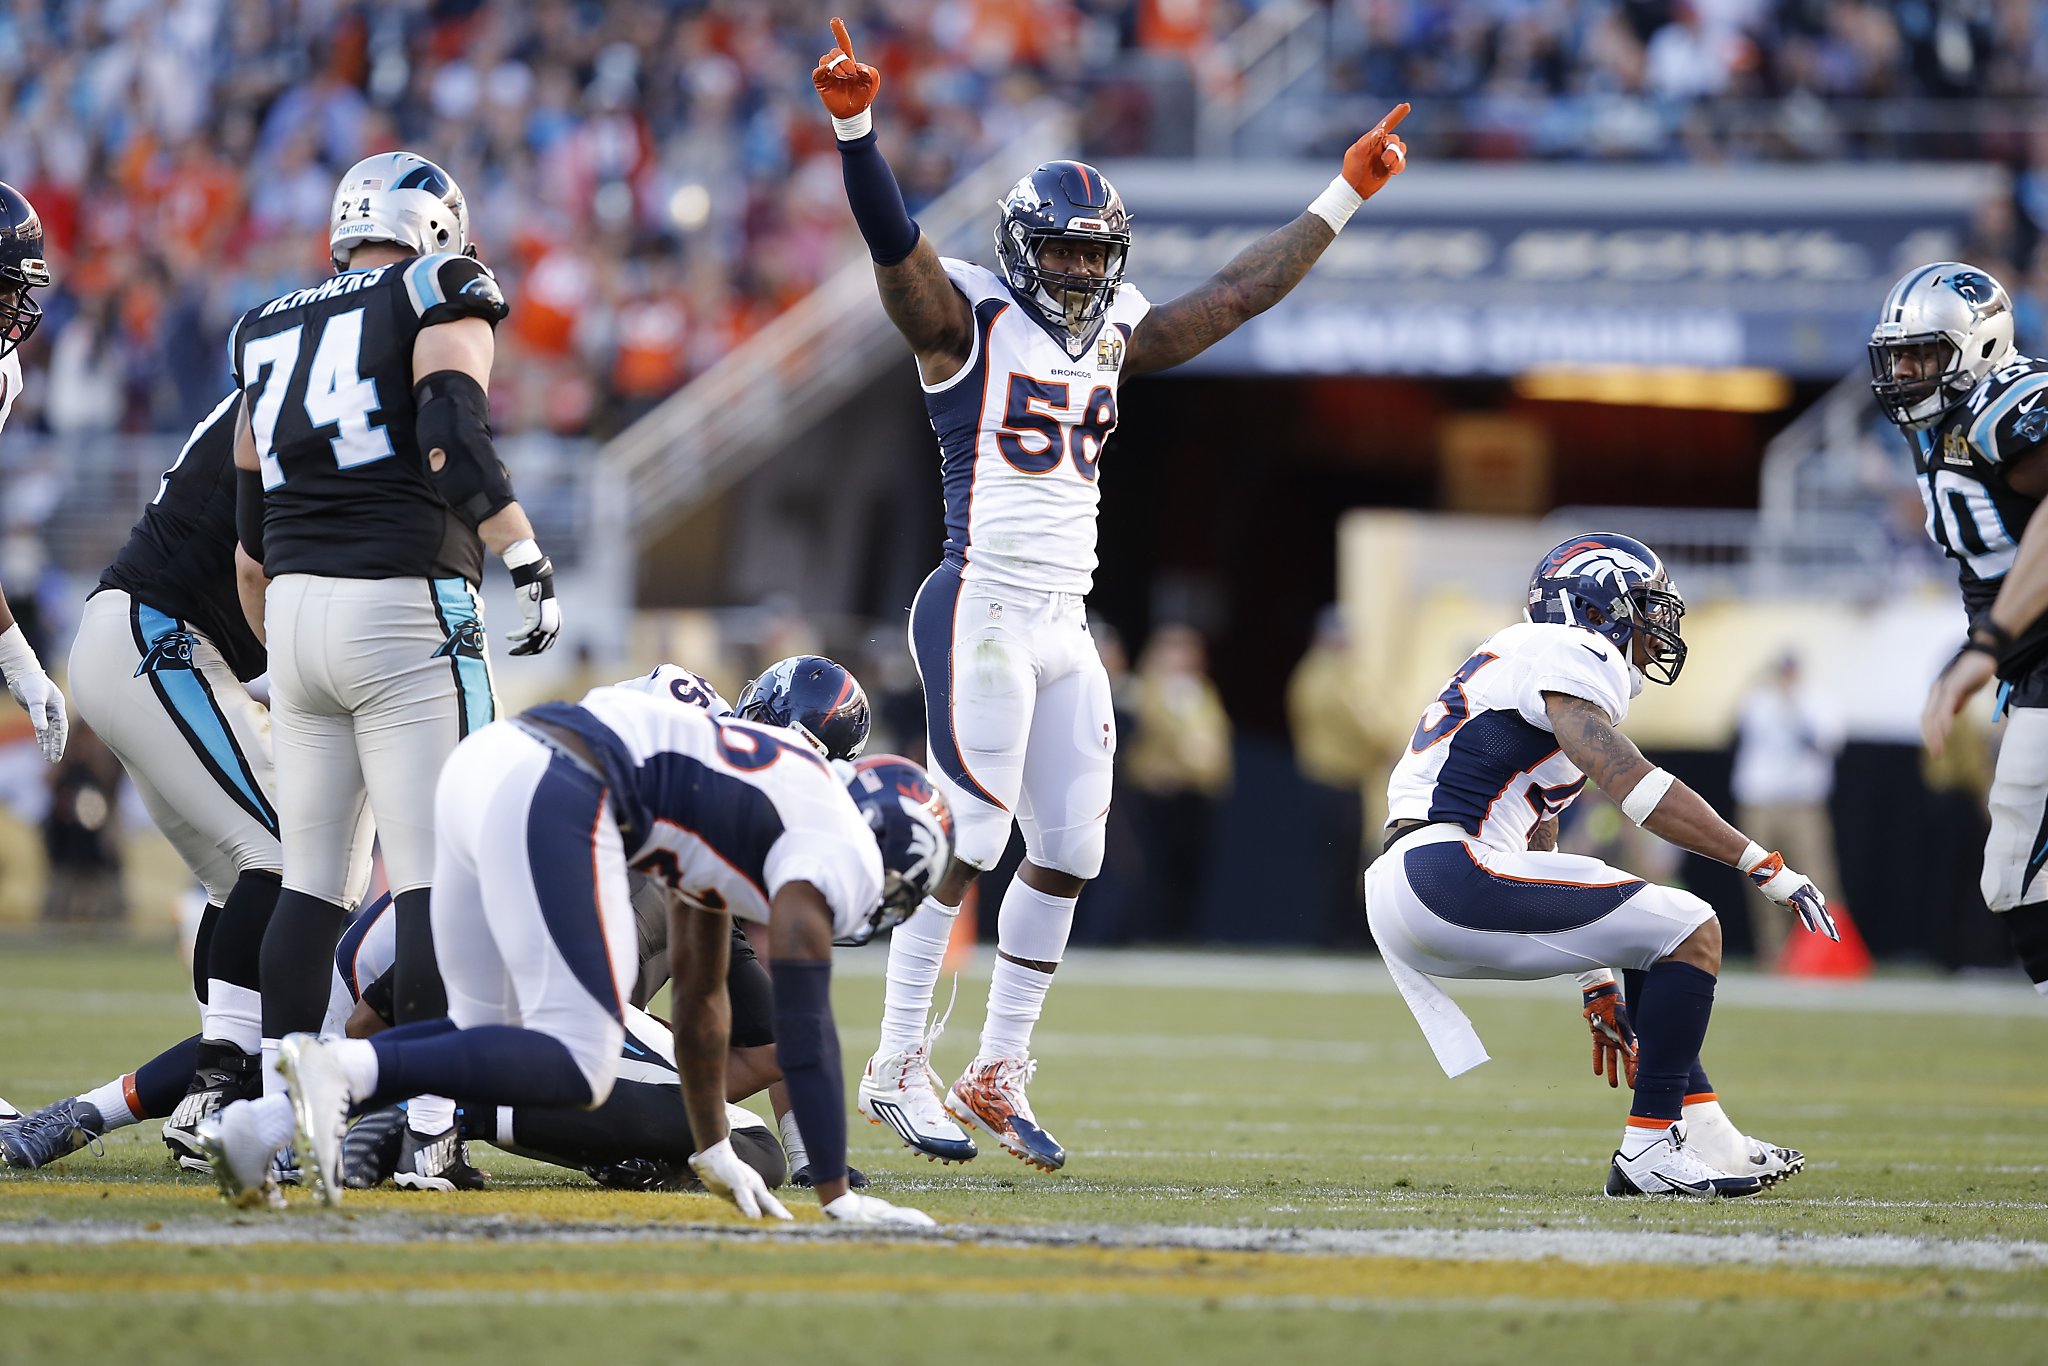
{"type": "Point", "coordinates": [1989, 346]}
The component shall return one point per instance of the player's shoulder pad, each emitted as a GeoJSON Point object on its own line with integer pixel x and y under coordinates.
{"type": "Point", "coordinates": [1570, 660]}
{"type": "Point", "coordinates": [447, 286]}
{"type": "Point", "coordinates": [977, 282]}
{"type": "Point", "coordinates": [2006, 416]}
{"type": "Point", "coordinates": [1130, 307]}
{"type": "Point", "coordinates": [678, 684]}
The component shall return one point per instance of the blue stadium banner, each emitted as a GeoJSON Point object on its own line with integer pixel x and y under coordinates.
{"type": "Point", "coordinates": [1482, 270]}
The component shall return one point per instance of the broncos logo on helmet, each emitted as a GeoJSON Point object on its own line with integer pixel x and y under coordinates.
{"type": "Point", "coordinates": [1617, 587]}
{"type": "Point", "coordinates": [22, 268]}
{"type": "Point", "coordinates": [914, 827]}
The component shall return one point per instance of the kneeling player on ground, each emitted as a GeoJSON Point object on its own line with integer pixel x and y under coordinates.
{"type": "Point", "coordinates": [1471, 885]}
{"type": "Point", "coordinates": [539, 819]}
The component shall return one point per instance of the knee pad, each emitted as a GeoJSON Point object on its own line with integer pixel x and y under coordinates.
{"type": "Point", "coordinates": [980, 831]}
{"type": "Point", "coordinates": [1077, 852]}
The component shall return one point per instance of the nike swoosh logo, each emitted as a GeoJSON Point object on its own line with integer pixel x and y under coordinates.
{"type": "Point", "coordinates": [1600, 655]}
{"type": "Point", "coordinates": [2028, 406]}
{"type": "Point", "coordinates": [1694, 1186]}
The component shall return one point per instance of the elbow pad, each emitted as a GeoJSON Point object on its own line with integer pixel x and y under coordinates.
{"type": "Point", "coordinates": [453, 416]}
{"type": "Point", "coordinates": [249, 512]}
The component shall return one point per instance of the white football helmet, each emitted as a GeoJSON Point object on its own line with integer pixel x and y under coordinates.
{"type": "Point", "coordinates": [1953, 322]}
{"type": "Point", "coordinates": [397, 197]}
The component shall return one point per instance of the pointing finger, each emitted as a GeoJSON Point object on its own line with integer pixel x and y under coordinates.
{"type": "Point", "coordinates": [1386, 125]}
{"type": "Point", "coordinates": [845, 42]}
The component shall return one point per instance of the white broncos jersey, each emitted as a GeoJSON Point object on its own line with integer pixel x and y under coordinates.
{"type": "Point", "coordinates": [10, 384]}
{"type": "Point", "coordinates": [724, 812]}
{"type": "Point", "coordinates": [1021, 433]}
{"type": "Point", "coordinates": [675, 682]}
{"type": "Point", "coordinates": [1483, 756]}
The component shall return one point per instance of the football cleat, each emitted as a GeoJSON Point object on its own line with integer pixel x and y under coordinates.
{"type": "Point", "coordinates": [55, 1131]}
{"type": "Point", "coordinates": [990, 1097]}
{"type": "Point", "coordinates": [320, 1101]}
{"type": "Point", "coordinates": [642, 1174]}
{"type": "Point", "coordinates": [369, 1153]}
{"type": "Point", "coordinates": [856, 1179]}
{"type": "Point", "coordinates": [436, 1162]}
{"type": "Point", "coordinates": [225, 1074]}
{"type": "Point", "coordinates": [9, 1111]}
{"type": "Point", "coordinates": [901, 1092]}
{"type": "Point", "coordinates": [1669, 1167]}
{"type": "Point", "coordinates": [243, 1165]}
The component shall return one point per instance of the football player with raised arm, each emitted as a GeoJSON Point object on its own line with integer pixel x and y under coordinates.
{"type": "Point", "coordinates": [1974, 411]}
{"type": "Point", "coordinates": [1472, 886]}
{"type": "Point", "coordinates": [1020, 369]}
{"type": "Point", "coordinates": [540, 819]}
{"type": "Point", "coordinates": [23, 270]}
{"type": "Point", "coordinates": [369, 491]}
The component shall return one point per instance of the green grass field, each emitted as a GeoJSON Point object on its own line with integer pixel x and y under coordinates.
{"type": "Point", "coordinates": [1264, 1161]}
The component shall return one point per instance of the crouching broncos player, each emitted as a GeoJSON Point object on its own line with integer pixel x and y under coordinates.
{"type": "Point", "coordinates": [539, 820]}
{"type": "Point", "coordinates": [1471, 885]}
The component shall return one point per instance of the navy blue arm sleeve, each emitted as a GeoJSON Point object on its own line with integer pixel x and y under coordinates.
{"type": "Point", "coordinates": [807, 1050]}
{"type": "Point", "coordinates": [877, 204]}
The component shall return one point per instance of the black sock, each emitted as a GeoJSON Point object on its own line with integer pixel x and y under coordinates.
{"type": "Point", "coordinates": [1678, 1000]}
{"type": "Point", "coordinates": [497, 1064]}
{"type": "Point", "coordinates": [202, 949]}
{"type": "Point", "coordinates": [1696, 1084]}
{"type": "Point", "coordinates": [2028, 926]}
{"type": "Point", "coordinates": [237, 953]}
{"type": "Point", "coordinates": [160, 1083]}
{"type": "Point", "coordinates": [417, 991]}
{"type": "Point", "coordinates": [297, 963]}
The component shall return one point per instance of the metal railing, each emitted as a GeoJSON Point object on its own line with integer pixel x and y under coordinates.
{"type": "Point", "coordinates": [1250, 71]}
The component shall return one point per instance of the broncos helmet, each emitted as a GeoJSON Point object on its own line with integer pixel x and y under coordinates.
{"type": "Point", "coordinates": [1957, 321]}
{"type": "Point", "coordinates": [1063, 199]}
{"type": "Point", "coordinates": [811, 694]}
{"type": "Point", "coordinates": [401, 198]}
{"type": "Point", "coordinates": [914, 827]}
{"type": "Point", "coordinates": [1615, 586]}
{"type": "Point", "coordinates": [22, 268]}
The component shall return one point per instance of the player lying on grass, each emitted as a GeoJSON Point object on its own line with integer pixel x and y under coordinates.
{"type": "Point", "coordinates": [1471, 884]}
{"type": "Point", "coordinates": [539, 819]}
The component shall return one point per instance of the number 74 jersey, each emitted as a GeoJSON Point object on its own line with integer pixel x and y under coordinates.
{"type": "Point", "coordinates": [1021, 432]}
{"type": "Point", "coordinates": [1483, 756]}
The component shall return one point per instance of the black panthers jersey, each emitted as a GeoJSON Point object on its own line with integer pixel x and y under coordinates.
{"type": "Point", "coordinates": [1972, 513]}
{"type": "Point", "coordinates": [326, 377]}
{"type": "Point", "coordinates": [180, 558]}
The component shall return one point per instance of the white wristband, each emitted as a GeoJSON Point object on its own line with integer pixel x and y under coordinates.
{"type": "Point", "coordinates": [519, 554]}
{"type": "Point", "coordinates": [1598, 977]}
{"type": "Point", "coordinates": [1336, 204]}
{"type": "Point", "coordinates": [859, 126]}
{"type": "Point", "coordinates": [1752, 856]}
{"type": "Point", "coordinates": [1644, 796]}
{"type": "Point", "coordinates": [17, 656]}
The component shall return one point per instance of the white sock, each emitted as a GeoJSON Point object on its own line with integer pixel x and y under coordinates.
{"type": "Point", "coordinates": [232, 1014]}
{"type": "Point", "coordinates": [273, 1080]}
{"type": "Point", "coordinates": [111, 1101]}
{"type": "Point", "coordinates": [504, 1138]}
{"type": "Point", "coordinates": [793, 1142]}
{"type": "Point", "coordinates": [1637, 1139]}
{"type": "Point", "coordinates": [1705, 1116]}
{"type": "Point", "coordinates": [358, 1063]}
{"type": "Point", "coordinates": [271, 1118]}
{"type": "Point", "coordinates": [917, 950]}
{"type": "Point", "coordinates": [1034, 927]}
{"type": "Point", "coordinates": [426, 1115]}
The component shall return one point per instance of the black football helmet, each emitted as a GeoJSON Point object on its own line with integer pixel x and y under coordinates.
{"type": "Point", "coordinates": [812, 695]}
{"type": "Point", "coordinates": [22, 267]}
{"type": "Point", "coordinates": [1063, 199]}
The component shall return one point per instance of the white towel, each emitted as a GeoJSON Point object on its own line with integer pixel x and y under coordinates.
{"type": "Point", "coordinates": [1451, 1036]}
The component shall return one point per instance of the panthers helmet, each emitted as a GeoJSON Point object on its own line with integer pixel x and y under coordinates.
{"type": "Point", "coordinates": [22, 267]}
{"type": "Point", "coordinates": [401, 198]}
{"type": "Point", "coordinates": [1956, 320]}
{"type": "Point", "coordinates": [1063, 199]}
{"type": "Point", "coordinates": [914, 827]}
{"type": "Point", "coordinates": [1615, 586]}
{"type": "Point", "coordinates": [811, 694]}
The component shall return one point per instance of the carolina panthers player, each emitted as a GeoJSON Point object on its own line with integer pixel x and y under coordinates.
{"type": "Point", "coordinates": [1975, 414]}
{"type": "Point", "coordinates": [369, 491]}
{"type": "Point", "coordinates": [1020, 369]}
{"type": "Point", "coordinates": [23, 270]}
{"type": "Point", "coordinates": [1472, 886]}
{"type": "Point", "coordinates": [540, 819]}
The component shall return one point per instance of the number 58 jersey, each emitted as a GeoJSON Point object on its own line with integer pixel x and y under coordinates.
{"type": "Point", "coordinates": [1483, 756]}
{"type": "Point", "coordinates": [1021, 432]}
{"type": "Point", "coordinates": [326, 377]}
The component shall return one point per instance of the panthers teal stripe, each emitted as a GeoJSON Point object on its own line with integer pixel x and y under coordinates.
{"type": "Point", "coordinates": [456, 606]}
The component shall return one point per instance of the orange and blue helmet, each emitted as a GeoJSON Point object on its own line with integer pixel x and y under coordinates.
{"type": "Point", "coordinates": [1063, 199]}
{"type": "Point", "coordinates": [811, 694]}
{"type": "Point", "coordinates": [1617, 587]}
{"type": "Point", "coordinates": [22, 268]}
{"type": "Point", "coordinates": [914, 827]}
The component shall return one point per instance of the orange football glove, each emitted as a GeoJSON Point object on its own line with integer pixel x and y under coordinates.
{"type": "Point", "coordinates": [1614, 1040]}
{"type": "Point", "coordinates": [1377, 157]}
{"type": "Point", "coordinates": [846, 86]}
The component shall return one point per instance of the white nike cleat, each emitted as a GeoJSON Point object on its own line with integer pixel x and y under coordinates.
{"type": "Point", "coordinates": [901, 1092]}
{"type": "Point", "coordinates": [320, 1101]}
{"type": "Point", "coordinates": [855, 1208]}
{"type": "Point", "coordinates": [1669, 1167]}
{"type": "Point", "coordinates": [1718, 1142]}
{"type": "Point", "coordinates": [244, 1165]}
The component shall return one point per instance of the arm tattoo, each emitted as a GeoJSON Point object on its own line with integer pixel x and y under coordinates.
{"type": "Point", "coordinates": [927, 309]}
{"type": "Point", "coordinates": [1256, 278]}
{"type": "Point", "coordinates": [1543, 839]}
{"type": "Point", "coordinates": [1590, 740]}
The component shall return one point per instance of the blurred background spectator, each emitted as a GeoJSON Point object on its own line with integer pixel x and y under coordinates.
{"type": "Point", "coordinates": [1786, 739]}
{"type": "Point", "coordinates": [82, 834]}
{"type": "Point", "coordinates": [1177, 766]}
{"type": "Point", "coordinates": [1344, 765]}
